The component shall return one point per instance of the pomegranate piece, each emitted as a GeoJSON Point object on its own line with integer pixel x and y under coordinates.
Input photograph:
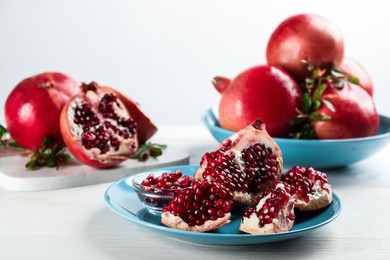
{"type": "Point", "coordinates": [353, 115]}
{"type": "Point", "coordinates": [305, 37]}
{"type": "Point", "coordinates": [273, 213]}
{"type": "Point", "coordinates": [145, 127]}
{"type": "Point", "coordinates": [204, 207]}
{"type": "Point", "coordinates": [97, 128]}
{"type": "Point", "coordinates": [309, 187]}
{"type": "Point", "coordinates": [265, 92]}
{"type": "Point", "coordinates": [33, 108]}
{"type": "Point", "coordinates": [247, 163]}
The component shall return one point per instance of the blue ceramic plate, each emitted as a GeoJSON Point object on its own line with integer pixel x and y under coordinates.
{"type": "Point", "coordinates": [316, 153]}
{"type": "Point", "coordinates": [121, 198]}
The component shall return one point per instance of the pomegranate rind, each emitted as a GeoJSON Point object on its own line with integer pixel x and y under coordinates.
{"type": "Point", "coordinates": [145, 127]}
{"type": "Point", "coordinates": [177, 222]}
{"type": "Point", "coordinates": [282, 223]}
{"type": "Point", "coordinates": [72, 137]}
{"type": "Point", "coordinates": [252, 134]}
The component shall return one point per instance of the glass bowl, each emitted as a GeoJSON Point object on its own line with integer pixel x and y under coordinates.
{"type": "Point", "coordinates": [156, 196]}
{"type": "Point", "coordinates": [316, 153]}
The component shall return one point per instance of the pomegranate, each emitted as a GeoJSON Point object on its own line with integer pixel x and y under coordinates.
{"type": "Point", "coordinates": [305, 37]}
{"type": "Point", "coordinates": [352, 68]}
{"type": "Point", "coordinates": [33, 108]}
{"type": "Point", "coordinates": [97, 128]}
{"type": "Point", "coordinates": [265, 92]}
{"type": "Point", "coordinates": [145, 127]}
{"type": "Point", "coordinates": [273, 213]}
{"type": "Point", "coordinates": [353, 114]}
{"type": "Point", "coordinates": [247, 163]}
{"type": "Point", "coordinates": [204, 207]}
{"type": "Point", "coordinates": [309, 187]}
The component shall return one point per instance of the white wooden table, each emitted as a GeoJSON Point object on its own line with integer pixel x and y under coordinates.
{"type": "Point", "coordinates": [75, 223]}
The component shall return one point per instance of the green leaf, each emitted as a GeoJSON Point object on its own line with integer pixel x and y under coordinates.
{"type": "Point", "coordinates": [306, 103]}
{"type": "Point", "coordinates": [149, 149]}
{"type": "Point", "coordinates": [319, 91]}
{"type": "Point", "coordinates": [50, 155]}
{"type": "Point", "coordinates": [354, 80]}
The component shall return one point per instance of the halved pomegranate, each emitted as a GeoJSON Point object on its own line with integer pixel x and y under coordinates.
{"type": "Point", "coordinates": [273, 213]}
{"type": "Point", "coordinates": [145, 127]}
{"type": "Point", "coordinates": [309, 187]}
{"type": "Point", "coordinates": [97, 128]}
{"type": "Point", "coordinates": [33, 108]}
{"type": "Point", "coordinates": [247, 163]}
{"type": "Point", "coordinates": [204, 207]}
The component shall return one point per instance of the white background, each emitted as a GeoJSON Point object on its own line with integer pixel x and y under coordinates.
{"type": "Point", "coordinates": [165, 53]}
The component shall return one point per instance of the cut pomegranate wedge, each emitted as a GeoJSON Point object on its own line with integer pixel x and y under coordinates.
{"type": "Point", "coordinates": [204, 207]}
{"type": "Point", "coordinates": [310, 188]}
{"type": "Point", "coordinates": [247, 163]}
{"type": "Point", "coordinates": [273, 213]}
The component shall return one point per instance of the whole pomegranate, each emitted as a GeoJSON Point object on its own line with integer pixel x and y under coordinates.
{"type": "Point", "coordinates": [247, 163]}
{"type": "Point", "coordinates": [33, 108]}
{"type": "Point", "coordinates": [352, 68]}
{"type": "Point", "coordinates": [97, 128]}
{"type": "Point", "coordinates": [305, 37]}
{"type": "Point", "coordinates": [265, 92]}
{"type": "Point", "coordinates": [353, 114]}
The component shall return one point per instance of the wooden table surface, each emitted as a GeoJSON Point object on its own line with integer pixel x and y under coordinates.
{"type": "Point", "coordinates": [75, 223]}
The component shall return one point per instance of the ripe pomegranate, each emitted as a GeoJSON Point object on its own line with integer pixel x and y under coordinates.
{"type": "Point", "coordinates": [205, 206]}
{"type": "Point", "coordinates": [247, 163]}
{"type": "Point", "coordinates": [354, 114]}
{"type": "Point", "coordinates": [305, 37]}
{"type": "Point", "coordinates": [309, 187]}
{"type": "Point", "coordinates": [273, 213]}
{"type": "Point", "coordinates": [265, 92]}
{"type": "Point", "coordinates": [145, 127]}
{"type": "Point", "coordinates": [97, 128]}
{"type": "Point", "coordinates": [33, 108]}
{"type": "Point", "coordinates": [352, 68]}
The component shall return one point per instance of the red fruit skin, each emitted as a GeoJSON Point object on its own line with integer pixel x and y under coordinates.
{"type": "Point", "coordinates": [32, 109]}
{"type": "Point", "coordinates": [145, 127]}
{"type": "Point", "coordinates": [265, 92]}
{"type": "Point", "coordinates": [353, 68]}
{"type": "Point", "coordinates": [305, 37]}
{"type": "Point", "coordinates": [355, 114]}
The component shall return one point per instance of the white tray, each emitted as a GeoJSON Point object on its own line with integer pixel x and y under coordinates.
{"type": "Point", "coordinates": [14, 176]}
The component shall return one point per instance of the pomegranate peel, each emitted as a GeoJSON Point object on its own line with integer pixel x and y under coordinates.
{"type": "Point", "coordinates": [247, 163]}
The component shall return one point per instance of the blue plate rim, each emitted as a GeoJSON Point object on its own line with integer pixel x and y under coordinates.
{"type": "Point", "coordinates": [210, 120]}
{"type": "Point", "coordinates": [133, 218]}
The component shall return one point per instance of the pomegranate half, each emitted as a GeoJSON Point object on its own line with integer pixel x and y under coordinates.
{"type": "Point", "coordinates": [97, 128]}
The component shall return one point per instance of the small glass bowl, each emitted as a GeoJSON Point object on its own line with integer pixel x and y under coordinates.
{"type": "Point", "coordinates": [154, 198]}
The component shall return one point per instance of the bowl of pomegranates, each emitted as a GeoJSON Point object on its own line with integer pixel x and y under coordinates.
{"type": "Point", "coordinates": [156, 189]}
{"type": "Point", "coordinates": [319, 153]}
